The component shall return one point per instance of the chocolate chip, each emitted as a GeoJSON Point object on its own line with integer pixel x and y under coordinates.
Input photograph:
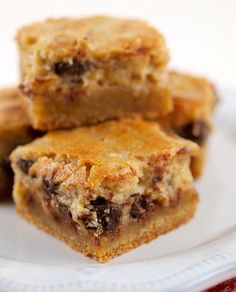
{"type": "Point", "coordinates": [49, 187]}
{"type": "Point", "coordinates": [77, 67]}
{"type": "Point", "coordinates": [25, 165]}
{"type": "Point", "coordinates": [98, 202]}
{"type": "Point", "coordinates": [196, 131]}
{"type": "Point", "coordinates": [143, 203]}
{"type": "Point", "coordinates": [139, 207]}
{"type": "Point", "coordinates": [108, 215]}
{"type": "Point", "coordinates": [60, 68]}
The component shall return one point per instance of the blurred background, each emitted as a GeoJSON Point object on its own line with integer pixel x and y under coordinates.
{"type": "Point", "coordinates": [200, 34]}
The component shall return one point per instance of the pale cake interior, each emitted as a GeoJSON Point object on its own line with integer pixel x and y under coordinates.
{"type": "Point", "coordinates": [57, 185]}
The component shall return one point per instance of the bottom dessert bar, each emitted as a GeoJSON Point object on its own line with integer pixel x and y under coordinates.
{"type": "Point", "coordinates": [192, 118]}
{"type": "Point", "coordinates": [15, 130]}
{"type": "Point", "coordinates": [108, 188]}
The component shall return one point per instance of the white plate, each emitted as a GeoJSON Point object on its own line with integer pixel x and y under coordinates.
{"type": "Point", "coordinates": [192, 257]}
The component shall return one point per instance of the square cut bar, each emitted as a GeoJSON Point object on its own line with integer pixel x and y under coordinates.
{"type": "Point", "coordinates": [80, 72]}
{"type": "Point", "coordinates": [194, 101]}
{"type": "Point", "coordinates": [15, 130]}
{"type": "Point", "coordinates": [108, 188]}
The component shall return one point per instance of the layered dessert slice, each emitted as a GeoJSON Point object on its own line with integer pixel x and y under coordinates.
{"type": "Point", "coordinates": [108, 188]}
{"type": "Point", "coordinates": [80, 72]}
{"type": "Point", "coordinates": [15, 130]}
{"type": "Point", "coordinates": [194, 101]}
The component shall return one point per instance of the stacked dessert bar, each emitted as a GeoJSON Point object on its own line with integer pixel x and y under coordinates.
{"type": "Point", "coordinates": [80, 72]}
{"type": "Point", "coordinates": [194, 101]}
{"type": "Point", "coordinates": [124, 135]}
{"type": "Point", "coordinates": [15, 129]}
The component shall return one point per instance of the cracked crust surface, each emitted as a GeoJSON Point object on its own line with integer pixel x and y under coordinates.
{"type": "Point", "coordinates": [107, 143]}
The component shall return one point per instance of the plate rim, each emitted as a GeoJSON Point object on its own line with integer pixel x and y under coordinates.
{"type": "Point", "coordinates": [222, 262]}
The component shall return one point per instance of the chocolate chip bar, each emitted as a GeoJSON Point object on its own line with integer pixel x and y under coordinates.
{"type": "Point", "coordinates": [108, 188]}
{"type": "Point", "coordinates": [80, 72]}
{"type": "Point", "coordinates": [15, 130]}
{"type": "Point", "coordinates": [192, 118]}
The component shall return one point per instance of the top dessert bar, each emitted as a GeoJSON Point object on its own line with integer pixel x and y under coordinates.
{"type": "Point", "coordinates": [108, 188]}
{"type": "Point", "coordinates": [15, 130]}
{"type": "Point", "coordinates": [80, 72]}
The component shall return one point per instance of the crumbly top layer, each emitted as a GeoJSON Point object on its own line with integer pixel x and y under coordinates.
{"type": "Point", "coordinates": [100, 36]}
{"type": "Point", "coordinates": [12, 109]}
{"type": "Point", "coordinates": [187, 88]}
{"type": "Point", "coordinates": [108, 144]}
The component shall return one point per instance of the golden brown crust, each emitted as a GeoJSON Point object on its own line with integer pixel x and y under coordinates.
{"type": "Point", "coordinates": [131, 237]}
{"type": "Point", "coordinates": [101, 36]}
{"type": "Point", "coordinates": [108, 147]}
{"type": "Point", "coordinates": [95, 142]}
